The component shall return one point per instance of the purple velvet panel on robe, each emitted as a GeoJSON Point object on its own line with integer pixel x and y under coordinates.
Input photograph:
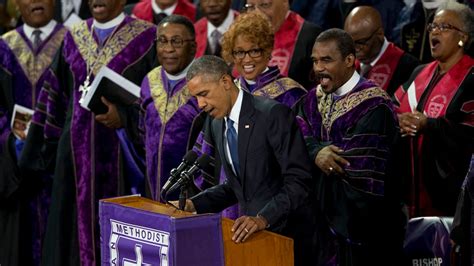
{"type": "Point", "coordinates": [49, 108]}
{"type": "Point", "coordinates": [96, 149]}
{"type": "Point", "coordinates": [203, 147]}
{"type": "Point", "coordinates": [167, 118]}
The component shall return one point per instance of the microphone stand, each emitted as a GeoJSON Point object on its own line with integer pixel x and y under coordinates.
{"type": "Point", "coordinates": [183, 195]}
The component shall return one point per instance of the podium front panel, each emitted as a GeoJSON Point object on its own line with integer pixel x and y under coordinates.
{"type": "Point", "coordinates": [134, 236]}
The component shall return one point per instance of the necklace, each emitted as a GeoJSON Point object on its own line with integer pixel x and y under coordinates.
{"type": "Point", "coordinates": [84, 89]}
{"type": "Point", "coordinates": [86, 85]}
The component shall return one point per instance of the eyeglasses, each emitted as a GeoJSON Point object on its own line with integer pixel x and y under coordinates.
{"type": "Point", "coordinates": [176, 42]}
{"type": "Point", "coordinates": [441, 27]}
{"type": "Point", "coordinates": [253, 53]}
{"type": "Point", "coordinates": [365, 41]}
{"type": "Point", "coordinates": [251, 7]}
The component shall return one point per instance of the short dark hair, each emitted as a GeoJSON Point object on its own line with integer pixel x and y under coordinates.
{"type": "Point", "coordinates": [209, 65]}
{"type": "Point", "coordinates": [344, 41]}
{"type": "Point", "coordinates": [181, 20]}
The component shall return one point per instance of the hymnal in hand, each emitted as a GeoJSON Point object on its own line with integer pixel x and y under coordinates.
{"type": "Point", "coordinates": [113, 87]}
{"type": "Point", "coordinates": [21, 118]}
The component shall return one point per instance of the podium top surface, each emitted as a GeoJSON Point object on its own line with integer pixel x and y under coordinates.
{"type": "Point", "coordinates": [148, 205]}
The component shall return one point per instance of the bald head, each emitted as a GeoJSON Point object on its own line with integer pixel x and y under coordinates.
{"type": "Point", "coordinates": [365, 17]}
{"type": "Point", "coordinates": [364, 24]}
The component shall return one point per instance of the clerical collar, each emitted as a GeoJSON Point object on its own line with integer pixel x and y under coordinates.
{"type": "Point", "coordinates": [252, 82]}
{"type": "Point", "coordinates": [382, 50]}
{"type": "Point", "coordinates": [180, 75]}
{"type": "Point", "coordinates": [109, 24]}
{"type": "Point", "coordinates": [349, 85]}
{"type": "Point", "coordinates": [45, 30]}
{"type": "Point", "coordinates": [168, 11]}
{"type": "Point", "coordinates": [223, 27]}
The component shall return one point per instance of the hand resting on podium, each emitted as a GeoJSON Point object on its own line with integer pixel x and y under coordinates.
{"type": "Point", "coordinates": [243, 227]}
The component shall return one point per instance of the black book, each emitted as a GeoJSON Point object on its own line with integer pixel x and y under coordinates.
{"type": "Point", "coordinates": [114, 87]}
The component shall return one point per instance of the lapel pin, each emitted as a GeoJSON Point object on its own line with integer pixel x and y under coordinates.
{"type": "Point", "coordinates": [247, 126]}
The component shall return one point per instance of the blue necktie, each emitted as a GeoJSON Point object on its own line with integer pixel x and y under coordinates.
{"type": "Point", "coordinates": [233, 148]}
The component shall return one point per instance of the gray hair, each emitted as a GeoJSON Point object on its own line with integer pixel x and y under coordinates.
{"type": "Point", "coordinates": [466, 15]}
{"type": "Point", "coordinates": [210, 66]}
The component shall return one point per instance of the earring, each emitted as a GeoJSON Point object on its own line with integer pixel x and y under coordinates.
{"type": "Point", "coordinates": [460, 43]}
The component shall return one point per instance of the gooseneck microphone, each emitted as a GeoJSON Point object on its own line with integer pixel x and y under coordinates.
{"type": "Point", "coordinates": [175, 173]}
{"type": "Point", "coordinates": [187, 175]}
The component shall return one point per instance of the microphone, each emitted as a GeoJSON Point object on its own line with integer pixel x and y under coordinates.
{"type": "Point", "coordinates": [187, 175]}
{"type": "Point", "coordinates": [175, 173]}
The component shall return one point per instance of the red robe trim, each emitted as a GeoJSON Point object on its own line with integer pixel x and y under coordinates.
{"type": "Point", "coordinates": [201, 35]}
{"type": "Point", "coordinates": [442, 94]}
{"type": "Point", "coordinates": [144, 10]}
{"type": "Point", "coordinates": [285, 42]}
{"type": "Point", "coordinates": [382, 72]}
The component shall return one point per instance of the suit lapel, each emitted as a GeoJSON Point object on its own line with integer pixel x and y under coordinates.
{"type": "Point", "coordinates": [246, 125]}
{"type": "Point", "coordinates": [218, 128]}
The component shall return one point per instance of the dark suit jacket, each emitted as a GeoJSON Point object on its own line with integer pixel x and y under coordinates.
{"type": "Point", "coordinates": [275, 167]}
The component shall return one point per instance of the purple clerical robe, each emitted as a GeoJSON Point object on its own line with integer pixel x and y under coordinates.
{"type": "Point", "coordinates": [23, 72]}
{"type": "Point", "coordinates": [90, 163]}
{"type": "Point", "coordinates": [166, 119]}
{"type": "Point", "coordinates": [362, 203]}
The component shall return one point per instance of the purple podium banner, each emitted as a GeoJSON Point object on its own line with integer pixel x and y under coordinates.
{"type": "Point", "coordinates": [135, 235]}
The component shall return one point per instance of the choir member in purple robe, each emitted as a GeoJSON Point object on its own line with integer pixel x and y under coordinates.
{"type": "Point", "coordinates": [93, 159]}
{"type": "Point", "coordinates": [27, 54]}
{"type": "Point", "coordinates": [168, 110]}
{"type": "Point", "coordinates": [350, 127]}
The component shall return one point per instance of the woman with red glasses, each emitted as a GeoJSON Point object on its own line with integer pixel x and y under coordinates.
{"type": "Point", "coordinates": [436, 116]}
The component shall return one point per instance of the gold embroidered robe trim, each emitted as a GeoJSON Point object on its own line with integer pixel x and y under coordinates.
{"type": "Point", "coordinates": [165, 104]}
{"type": "Point", "coordinates": [34, 65]}
{"type": "Point", "coordinates": [346, 104]}
{"type": "Point", "coordinates": [89, 49]}
{"type": "Point", "coordinates": [275, 88]}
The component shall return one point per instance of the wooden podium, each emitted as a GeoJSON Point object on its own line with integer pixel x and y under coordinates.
{"type": "Point", "coordinates": [139, 231]}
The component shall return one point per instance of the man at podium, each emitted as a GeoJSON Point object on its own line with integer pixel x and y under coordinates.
{"type": "Point", "coordinates": [263, 155]}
